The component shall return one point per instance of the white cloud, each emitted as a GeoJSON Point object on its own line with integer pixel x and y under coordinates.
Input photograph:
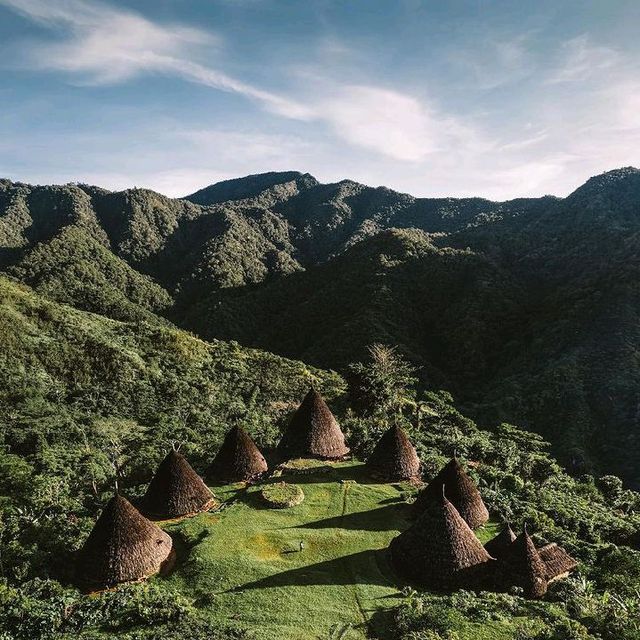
{"type": "Point", "coordinates": [381, 120]}
{"type": "Point", "coordinates": [495, 59]}
{"type": "Point", "coordinates": [581, 59]}
{"type": "Point", "coordinates": [107, 45]}
{"type": "Point", "coordinates": [525, 142]}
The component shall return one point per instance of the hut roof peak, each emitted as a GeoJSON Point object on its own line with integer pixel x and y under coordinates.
{"type": "Point", "coordinates": [394, 457]}
{"type": "Point", "coordinates": [176, 490]}
{"type": "Point", "coordinates": [238, 458]}
{"type": "Point", "coordinates": [123, 546]}
{"type": "Point", "coordinates": [313, 431]}
{"type": "Point", "coordinates": [460, 489]}
{"type": "Point", "coordinates": [439, 549]}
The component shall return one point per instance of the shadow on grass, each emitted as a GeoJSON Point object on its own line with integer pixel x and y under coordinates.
{"type": "Point", "coordinates": [354, 473]}
{"type": "Point", "coordinates": [382, 623]}
{"type": "Point", "coordinates": [364, 567]}
{"type": "Point", "coordinates": [387, 518]}
{"type": "Point", "coordinates": [183, 547]}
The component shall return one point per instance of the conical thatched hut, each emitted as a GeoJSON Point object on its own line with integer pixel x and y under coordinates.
{"type": "Point", "coordinates": [460, 489]}
{"type": "Point", "coordinates": [123, 546]}
{"type": "Point", "coordinates": [394, 457]}
{"type": "Point", "coordinates": [497, 547]}
{"type": "Point", "coordinates": [313, 432]}
{"type": "Point", "coordinates": [557, 561]}
{"type": "Point", "coordinates": [521, 566]}
{"type": "Point", "coordinates": [176, 490]}
{"type": "Point", "coordinates": [440, 550]}
{"type": "Point", "coordinates": [238, 459]}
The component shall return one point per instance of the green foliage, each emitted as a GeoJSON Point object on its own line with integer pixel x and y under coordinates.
{"type": "Point", "coordinates": [43, 609]}
{"type": "Point", "coordinates": [83, 397]}
{"type": "Point", "coordinates": [528, 309]}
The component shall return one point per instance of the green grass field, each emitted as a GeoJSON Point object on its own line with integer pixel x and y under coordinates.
{"type": "Point", "coordinates": [244, 564]}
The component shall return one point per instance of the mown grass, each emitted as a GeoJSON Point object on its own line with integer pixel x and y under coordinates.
{"type": "Point", "coordinates": [244, 563]}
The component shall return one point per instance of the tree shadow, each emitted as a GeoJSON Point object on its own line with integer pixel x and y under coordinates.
{"type": "Point", "coordinates": [183, 546]}
{"type": "Point", "coordinates": [364, 567]}
{"type": "Point", "coordinates": [359, 473]}
{"type": "Point", "coordinates": [382, 622]}
{"type": "Point", "coordinates": [387, 518]}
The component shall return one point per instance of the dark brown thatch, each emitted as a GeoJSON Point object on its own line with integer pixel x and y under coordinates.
{"type": "Point", "coordinates": [440, 550]}
{"type": "Point", "coordinates": [123, 546]}
{"type": "Point", "coordinates": [521, 566]}
{"type": "Point", "coordinates": [460, 489]}
{"type": "Point", "coordinates": [394, 457]}
{"type": "Point", "coordinates": [496, 547]}
{"type": "Point", "coordinates": [557, 561]}
{"type": "Point", "coordinates": [238, 459]}
{"type": "Point", "coordinates": [176, 490]}
{"type": "Point", "coordinates": [313, 432]}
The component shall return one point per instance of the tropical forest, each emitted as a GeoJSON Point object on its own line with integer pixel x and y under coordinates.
{"type": "Point", "coordinates": [283, 409]}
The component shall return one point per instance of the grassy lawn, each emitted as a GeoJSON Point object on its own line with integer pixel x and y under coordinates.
{"type": "Point", "coordinates": [244, 562]}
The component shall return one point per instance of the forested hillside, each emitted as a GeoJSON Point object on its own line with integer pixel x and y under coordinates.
{"type": "Point", "coordinates": [527, 310]}
{"type": "Point", "coordinates": [85, 398]}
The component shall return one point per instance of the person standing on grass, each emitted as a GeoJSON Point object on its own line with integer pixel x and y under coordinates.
{"type": "Point", "coordinates": [301, 545]}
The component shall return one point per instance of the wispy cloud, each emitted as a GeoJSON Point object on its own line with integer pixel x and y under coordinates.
{"type": "Point", "coordinates": [105, 45]}
{"type": "Point", "coordinates": [581, 59]}
{"type": "Point", "coordinates": [382, 120]}
{"type": "Point", "coordinates": [365, 108]}
{"type": "Point", "coordinates": [495, 60]}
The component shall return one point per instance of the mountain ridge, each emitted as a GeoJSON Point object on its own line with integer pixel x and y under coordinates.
{"type": "Point", "coordinates": [491, 299]}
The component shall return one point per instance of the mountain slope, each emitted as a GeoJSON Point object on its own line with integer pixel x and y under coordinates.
{"type": "Point", "coordinates": [526, 309]}
{"type": "Point", "coordinates": [74, 268]}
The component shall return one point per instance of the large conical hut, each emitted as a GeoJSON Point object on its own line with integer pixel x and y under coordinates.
{"type": "Point", "coordinates": [313, 432]}
{"type": "Point", "coordinates": [440, 550]}
{"type": "Point", "coordinates": [460, 489]}
{"type": "Point", "coordinates": [123, 546]}
{"type": "Point", "coordinates": [176, 490]}
{"type": "Point", "coordinates": [394, 457]}
{"type": "Point", "coordinates": [557, 561]}
{"type": "Point", "coordinates": [497, 546]}
{"type": "Point", "coordinates": [521, 566]}
{"type": "Point", "coordinates": [238, 459]}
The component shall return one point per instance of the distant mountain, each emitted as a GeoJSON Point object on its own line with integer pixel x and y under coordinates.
{"type": "Point", "coordinates": [528, 310]}
{"type": "Point", "coordinates": [252, 186]}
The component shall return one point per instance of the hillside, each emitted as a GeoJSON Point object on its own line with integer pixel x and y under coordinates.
{"type": "Point", "coordinates": [84, 397]}
{"type": "Point", "coordinates": [526, 310]}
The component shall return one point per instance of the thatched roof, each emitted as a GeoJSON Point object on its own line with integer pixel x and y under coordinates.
{"type": "Point", "coordinates": [313, 432]}
{"type": "Point", "coordinates": [394, 457]}
{"type": "Point", "coordinates": [238, 459]}
{"type": "Point", "coordinates": [123, 546]}
{"type": "Point", "coordinates": [557, 561]}
{"type": "Point", "coordinates": [460, 489]}
{"type": "Point", "coordinates": [496, 547]}
{"type": "Point", "coordinates": [176, 490]}
{"type": "Point", "coordinates": [522, 567]}
{"type": "Point", "coordinates": [440, 550]}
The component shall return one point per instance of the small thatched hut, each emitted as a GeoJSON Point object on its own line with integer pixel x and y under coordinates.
{"type": "Point", "coordinates": [497, 547]}
{"type": "Point", "coordinates": [238, 459]}
{"type": "Point", "coordinates": [521, 566]}
{"type": "Point", "coordinates": [123, 546]}
{"type": "Point", "coordinates": [313, 432]}
{"type": "Point", "coordinates": [557, 561]}
{"type": "Point", "coordinates": [440, 550]}
{"type": "Point", "coordinates": [460, 489]}
{"type": "Point", "coordinates": [176, 490]}
{"type": "Point", "coordinates": [394, 457]}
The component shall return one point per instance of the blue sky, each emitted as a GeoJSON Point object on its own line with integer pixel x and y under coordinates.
{"type": "Point", "coordinates": [496, 99]}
